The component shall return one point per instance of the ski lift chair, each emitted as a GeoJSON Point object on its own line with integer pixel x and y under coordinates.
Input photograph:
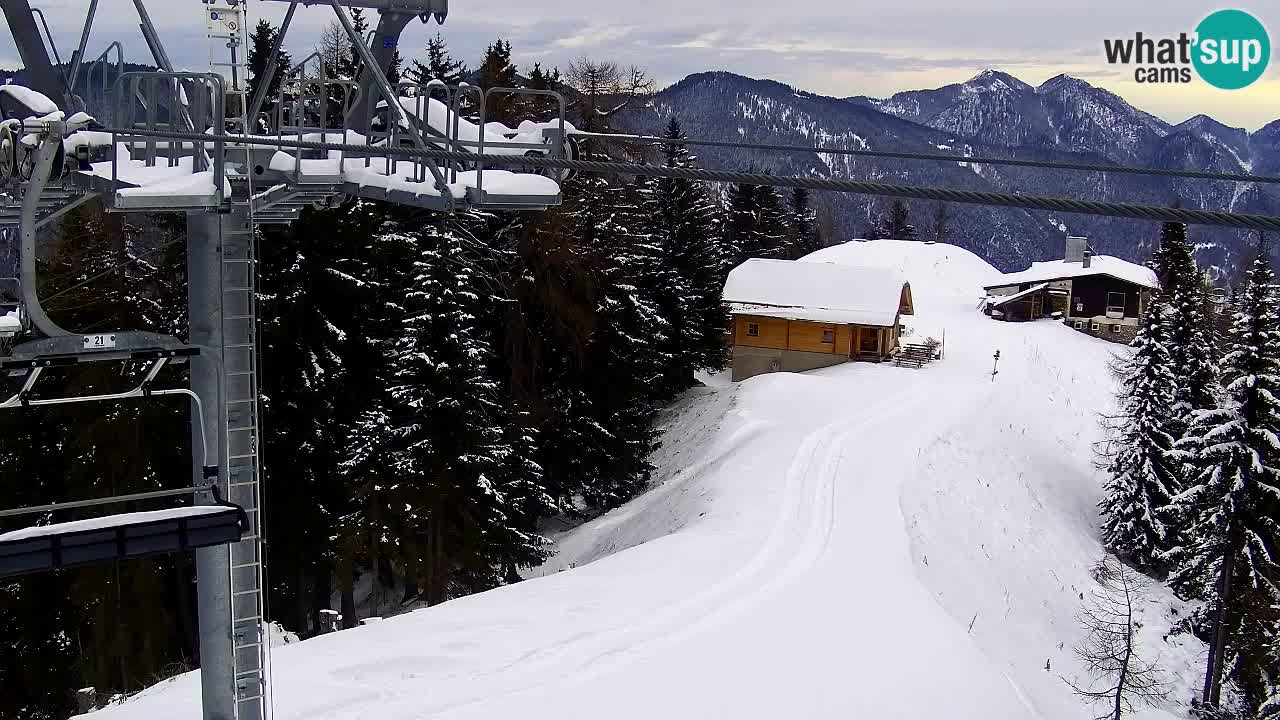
{"type": "Point", "coordinates": [122, 536]}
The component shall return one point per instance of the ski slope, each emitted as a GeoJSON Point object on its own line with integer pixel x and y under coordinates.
{"type": "Point", "coordinates": [860, 541]}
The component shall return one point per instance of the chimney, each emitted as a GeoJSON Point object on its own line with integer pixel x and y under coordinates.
{"type": "Point", "coordinates": [1086, 258]}
{"type": "Point", "coordinates": [1075, 249]}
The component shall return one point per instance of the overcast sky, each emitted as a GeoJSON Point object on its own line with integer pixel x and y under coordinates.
{"type": "Point", "coordinates": [835, 47]}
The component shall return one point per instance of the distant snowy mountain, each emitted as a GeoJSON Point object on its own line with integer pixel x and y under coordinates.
{"type": "Point", "coordinates": [994, 113]}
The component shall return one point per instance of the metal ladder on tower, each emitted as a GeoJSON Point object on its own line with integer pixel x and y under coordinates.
{"type": "Point", "coordinates": [241, 427]}
{"type": "Point", "coordinates": [227, 23]}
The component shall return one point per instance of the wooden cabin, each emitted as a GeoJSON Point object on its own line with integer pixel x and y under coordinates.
{"type": "Point", "coordinates": [794, 315]}
{"type": "Point", "coordinates": [1098, 295]}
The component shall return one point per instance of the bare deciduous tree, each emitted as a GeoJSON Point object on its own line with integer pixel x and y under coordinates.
{"type": "Point", "coordinates": [602, 89]}
{"type": "Point", "coordinates": [1118, 675]}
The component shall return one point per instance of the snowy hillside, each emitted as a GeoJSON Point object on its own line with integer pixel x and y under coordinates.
{"type": "Point", "coordinates": [860, 541]}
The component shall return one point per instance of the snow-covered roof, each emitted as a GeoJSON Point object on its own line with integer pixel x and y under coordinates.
{"type": "Point", "coordinates": [817, 291]}
{"type": "Point", "coordinates": [1010, 298]}
{"type": "Point", "coordinates": [1062, 270]}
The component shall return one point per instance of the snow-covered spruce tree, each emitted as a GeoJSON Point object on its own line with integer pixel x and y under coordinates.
{"type": "Point", "coordinates": [755, 225]}
{"type": "Point", "coordinates": [466, 489]}
{"type": "Point", "coordinates": [1227, 555]}
{"type": "Point", "coordinates": [896, 223]}
{"type": "Point", "coordinates": [802, 230]}
{"type": "Point", "coordinates": [497, 70]}
{"type": "Point", "coordinates": [1192, 345]}
{"type": "Point", "coordinates": [1143, 476]}
{"type": "Point", "coordinates": [686, 283]}
{"type": "Point", "coordinates": [440, 65]}
{"type": "Point", "coordinates": [261, 40]}
{"type": "Point", "coordinates": [317, 294]}
{"type": "Point", "coordinates": [585, 344]}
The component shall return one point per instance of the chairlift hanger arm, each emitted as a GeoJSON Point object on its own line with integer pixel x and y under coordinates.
{"type": "Point", "coordinates": [131, 497]}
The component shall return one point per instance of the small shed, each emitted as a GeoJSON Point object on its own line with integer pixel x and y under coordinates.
{"type": "Point", "coordinates": [792, 315]}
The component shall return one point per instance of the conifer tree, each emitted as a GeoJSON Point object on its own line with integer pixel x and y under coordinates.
{"type": "Point", "coordinates": [497, 70]}
{"type": "Point", "coordinates": [440, 65]}
{"type": "Point", "coordinates": [536, 107]}
{"type": "Point", "coordinates": [755, 224]}
{"type": "Point", "coordinates": [261, 41]}
{"type": "Point", "coordinates": [687, 281]}
{"type": "Point", "coordinates": [802, 230]}
{"type": "Point", "coordinates": [468, 485]}
{"type": "Point", "coordinates": [1227, 555]}
{"type": "Point", "coordinates": [896, 224]}
{"type": "Point", "coordinates": [1143, 475]}
{"type": "Point", "coordinates": [1192, 348]}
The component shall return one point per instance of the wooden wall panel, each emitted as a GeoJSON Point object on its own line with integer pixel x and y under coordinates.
{"type": "Point", "coordinates": [773, 332]}
{"type": "Point", "coordinates": [807, 336]}
{"type": "Point", "coordinates": [844, 340]}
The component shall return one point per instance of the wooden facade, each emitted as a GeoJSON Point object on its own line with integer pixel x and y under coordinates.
{"type": "Point", "coordinates": [854, 342]}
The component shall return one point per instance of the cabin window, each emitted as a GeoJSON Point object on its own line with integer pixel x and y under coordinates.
{"type": "Point", "coordinates": [1095, 327]}
{"type": "Point", "coordinates": [1079, 324]}
{"type": "Point", "coordinates": [1115, 303]}
{"type": "Point", "coordinates": [829, 337]}
{"type": "Point", "coordinates": [753, 329]}
{"type": "Point", "coordinates": [1116, 328]}
{"type": "Point", "coordinates": [1079, 305]}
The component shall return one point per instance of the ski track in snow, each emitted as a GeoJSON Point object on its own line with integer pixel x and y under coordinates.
{"type": "Point", "coordinates": [816, 551]}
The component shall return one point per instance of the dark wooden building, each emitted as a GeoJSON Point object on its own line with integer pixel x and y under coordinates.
{"type": "Point", "coordinates": [1100, 295]}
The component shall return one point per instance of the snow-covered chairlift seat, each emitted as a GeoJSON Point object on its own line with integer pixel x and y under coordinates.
{"type": "Point", "coordinates": [134, 185]}
{"type": "Point", "coordinates": [119, 537]}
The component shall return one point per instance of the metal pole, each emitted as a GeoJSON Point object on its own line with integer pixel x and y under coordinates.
{"type": "Point", "coordinates": [269, 72]}
{"type": "Point", "coordinates": [153, 39]}
{"type": "Point", "coordinates": [78, 58]}
{"type": "Point", "coordinates": [213, 564]}
{"type": "Point", "coordinates": [386, 37]}
{"type": "Point", "coordinates": [53, 507]}
{"type": "Point", "coordinates": [31, 48]}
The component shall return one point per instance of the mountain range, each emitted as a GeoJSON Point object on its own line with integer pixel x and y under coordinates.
{"type": "Point", "coordinates": [992, 114]}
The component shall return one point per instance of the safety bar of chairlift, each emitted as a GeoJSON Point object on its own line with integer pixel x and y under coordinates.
{"type": "Point", "coordinates": [131, 497]}
{"type": "Point", "coordinates": [52, 45]}
{"type": "Point", "coordinates": [144, 389]}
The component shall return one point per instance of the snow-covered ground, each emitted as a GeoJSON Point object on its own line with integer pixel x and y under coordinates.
{"type": "Point", "coordinates": [859, 541]}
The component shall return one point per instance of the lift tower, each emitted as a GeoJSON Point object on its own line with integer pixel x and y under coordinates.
{"type": "Point", "coordinates": [175, 142]}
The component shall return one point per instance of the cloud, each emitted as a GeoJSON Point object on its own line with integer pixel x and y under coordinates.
{"type": "Point", "coordinates": [594, 36]}
{"type": "Point", "coordinates": [834, 47]}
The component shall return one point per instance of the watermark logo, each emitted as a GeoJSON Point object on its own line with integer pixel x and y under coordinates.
{"type": "Point", "coordinates": [1229, 49]}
